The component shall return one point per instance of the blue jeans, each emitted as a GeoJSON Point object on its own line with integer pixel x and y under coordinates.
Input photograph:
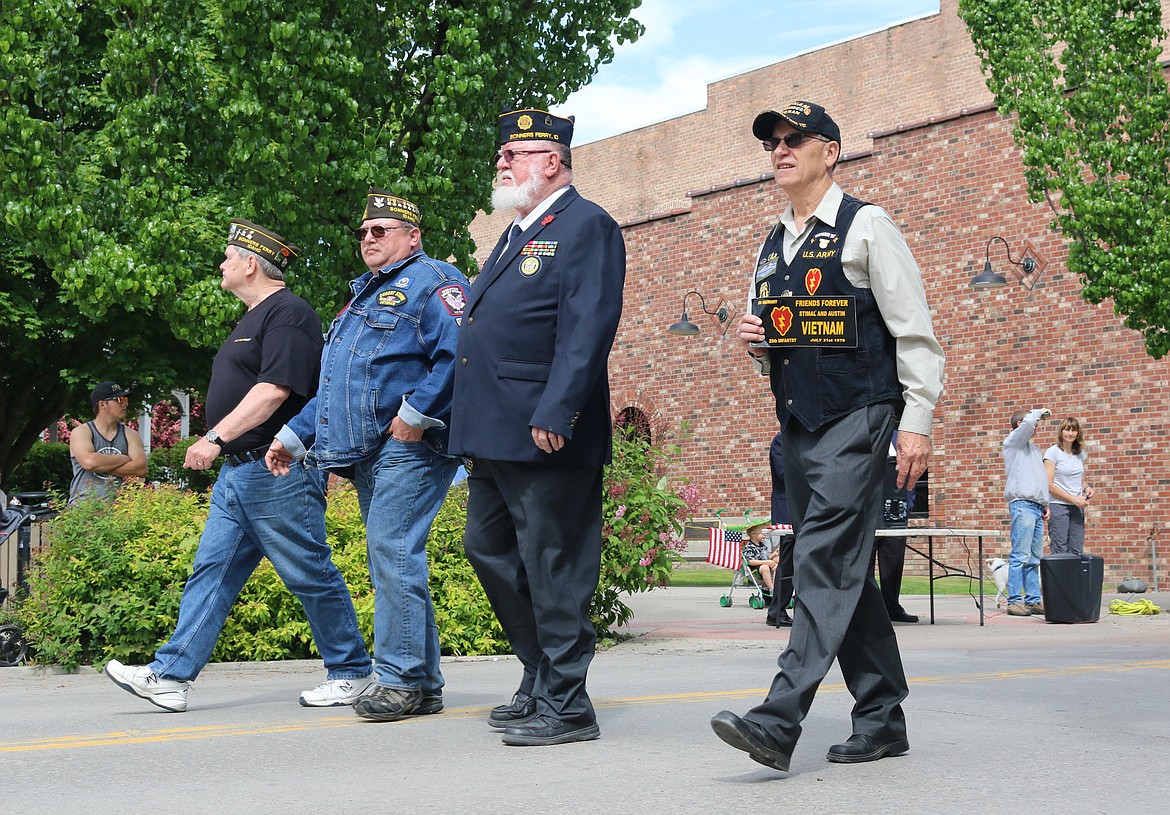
{"type": "Point", "coordinates": [400, 489]}
{"type": "Point", "coordinates": [255, 514]}
{"type": "Point", "coordinates": [1027, 549]}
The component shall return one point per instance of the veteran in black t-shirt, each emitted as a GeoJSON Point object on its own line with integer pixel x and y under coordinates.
{"type": "Point", "coordinates": [263, 375]}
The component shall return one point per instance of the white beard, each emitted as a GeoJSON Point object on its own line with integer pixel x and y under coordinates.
{"type": "Point", "coordinates": [521, 197]}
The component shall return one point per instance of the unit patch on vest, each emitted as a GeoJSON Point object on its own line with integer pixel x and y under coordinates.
{"type": "Point", "coordinates": [392, 297]}
{"type": "Point", "coordinates": [812, 280]}
{"type": "Point", "coordinates": [824, 241]}
{"type": "Point", "coordinates": [403, 282]}
{"type": "Point", "coordinates": [807, 322]}
{"type": "Point", "coordinates": [530, 266]}
{"type": "Point", "coordinates": [764, 289]}
{"type": "Point", "coordinates": [767, 266]}
{"type": "Point", "coordinates": [546, 249]}
{"type": "Point", "coordinates": [452, 297]}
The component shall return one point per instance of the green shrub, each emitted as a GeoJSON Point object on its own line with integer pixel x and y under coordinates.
{"type": "Point", "coordinates": [642, 525]}
{"type": "Point", "coordinates": [164, 465]}
{"type": "Point", "coordinates": [46, 467]}
{"type": "Point", "coordinates": [109, 584]}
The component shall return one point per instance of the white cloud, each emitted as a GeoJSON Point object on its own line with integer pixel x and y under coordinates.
{"type": "Point", "coordinates": [689, 44]}
{"type": "Point", "coordinates": [676, 87]}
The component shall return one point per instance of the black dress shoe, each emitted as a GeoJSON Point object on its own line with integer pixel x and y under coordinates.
{"type": "Point", "coordinates": [751, 738]}
{"type": "Point", "coordinates": [521, 709]}
{"type": "Point", "coordinates": [902, 616]}
{"type": "Point", "coordinates": [544, 730]}
{"type": "Point", "coordinates": [783, 620]}
{"type": "Point", "coordinates": [861, 748]}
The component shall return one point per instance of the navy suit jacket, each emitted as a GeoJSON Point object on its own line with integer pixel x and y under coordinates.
{"type": "Point", "coordinates": [537, 330]}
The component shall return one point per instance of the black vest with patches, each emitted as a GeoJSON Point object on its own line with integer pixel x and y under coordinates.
{"type": "Point", "coordinates": [818, 385]}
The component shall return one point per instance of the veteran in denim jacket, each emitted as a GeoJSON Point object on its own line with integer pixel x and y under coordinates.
{"type": "Point", "coordinates": [381, 417]}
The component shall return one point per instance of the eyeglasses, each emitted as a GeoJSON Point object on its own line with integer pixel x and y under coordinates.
{"type": "Point", "coordinates": [378, 232]}
{"type": "Point", "coordinates": [122, 400]}
{"type": "Point", "coordinates": [509, 155]}
{"type": "Point", "coordinates": [791, 141]}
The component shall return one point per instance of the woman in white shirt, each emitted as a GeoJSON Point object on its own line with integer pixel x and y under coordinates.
{"type": "Point", "coordinates": [1068, 492]}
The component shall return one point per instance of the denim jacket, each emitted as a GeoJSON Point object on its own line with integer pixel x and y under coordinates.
{"type": "Point", "coordinates": [390, 352]}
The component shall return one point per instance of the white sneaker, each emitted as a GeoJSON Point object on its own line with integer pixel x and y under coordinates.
{"type": "Point", "coordinates": [336, 692]}
{"type": "Point", "coordinates": [169, 694]}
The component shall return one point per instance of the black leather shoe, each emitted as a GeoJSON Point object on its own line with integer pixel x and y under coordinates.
{"type": "Point", "coordinates": [543, 730]}
{"type": "Point", "coordinates": [902, 616]}
{"type": "Point", "coordinates": [862, 748]}
{"type": "Point", "coordinates": [751, 738]}
{"type": "Point", "coordinates": [521, 709]}
{"type": "Point", "coordinates": [783, 620]}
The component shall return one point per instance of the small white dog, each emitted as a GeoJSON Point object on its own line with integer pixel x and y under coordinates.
{"type": "Point", "coordinates": [999, 573]}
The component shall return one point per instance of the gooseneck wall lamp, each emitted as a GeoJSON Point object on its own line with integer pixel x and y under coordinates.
{"type": "Point", "coordinates": [685, 328]}
{"type": "Point", "coordinates": [988, 279]}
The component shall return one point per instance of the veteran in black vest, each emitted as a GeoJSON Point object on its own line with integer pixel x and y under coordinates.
{"type": "Point", "coordinates": [839, 324]}
{"type": "Point", "coordinates": [532, 414]}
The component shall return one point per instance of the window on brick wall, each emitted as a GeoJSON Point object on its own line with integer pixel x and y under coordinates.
{"type": "Point", "coordinates": [637, 419]}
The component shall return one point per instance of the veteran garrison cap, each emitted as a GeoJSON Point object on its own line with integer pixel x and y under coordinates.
{"type": "Point", "coordinates": [383, 204]}
{"type": "Point", "coordinates": [535, 125]}
{"type": "Point", "coordinates": [807, 117]}
{"type": "Point", "coordinates": [264, 242]}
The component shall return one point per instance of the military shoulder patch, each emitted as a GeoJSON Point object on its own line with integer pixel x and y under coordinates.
{"type": "Point", "coordinates": [453, 299]}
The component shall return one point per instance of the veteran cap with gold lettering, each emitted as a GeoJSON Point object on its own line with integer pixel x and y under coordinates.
{"type": "Point", "coordinates": [535, 125]}
{"type": "Point", "coordinates": [383, 204]}
{"type": "Point", "coordinates": [807, 117]}
{"type": "Point", "coordinates": [264, 242]}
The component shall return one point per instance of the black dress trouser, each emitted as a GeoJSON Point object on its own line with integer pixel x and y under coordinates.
{"type": "Point", "coordinates": [833, 478]}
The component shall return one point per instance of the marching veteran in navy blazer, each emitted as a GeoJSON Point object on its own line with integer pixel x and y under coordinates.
{"type": "Point", "coordinates": [532, 413]}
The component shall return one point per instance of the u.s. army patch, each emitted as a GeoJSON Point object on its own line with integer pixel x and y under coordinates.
{"type": "Point", "coordinates": [546, 249]}
{"type": "Point", "coordinates": [530, 266]}
{"type": "Point", "coordinates": [392, 297]}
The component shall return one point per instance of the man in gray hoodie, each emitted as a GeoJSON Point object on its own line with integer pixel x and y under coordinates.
{"type": "Point", "coordinates": [1026, 492]}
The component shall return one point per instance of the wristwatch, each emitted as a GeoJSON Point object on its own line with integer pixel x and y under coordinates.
{"type": "Point", "coordinates": [214, 438]}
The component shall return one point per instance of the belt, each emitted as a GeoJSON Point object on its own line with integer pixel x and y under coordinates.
{"type": "Point", "coordinates": [248, 455]}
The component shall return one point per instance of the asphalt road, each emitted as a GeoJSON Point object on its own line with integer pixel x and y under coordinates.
{"type": "Point", "coordinates": [1017, 715]}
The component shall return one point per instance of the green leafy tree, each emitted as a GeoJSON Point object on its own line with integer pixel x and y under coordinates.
{"type": "Point", "coordinates": [1092, 108]}
{"type": "Point", "coordinates": [130, 132]}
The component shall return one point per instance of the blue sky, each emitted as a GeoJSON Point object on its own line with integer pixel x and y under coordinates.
{"type": "Point", "coordinates": [691, 43]}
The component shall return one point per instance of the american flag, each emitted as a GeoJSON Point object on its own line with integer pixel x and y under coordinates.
{"type": "Point", "coordinates": [725, 546]}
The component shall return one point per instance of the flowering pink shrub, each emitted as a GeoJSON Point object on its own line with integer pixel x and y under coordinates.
{"type": "Point", "coordinates": [643, 513]}
{"type": "Point", "coordinates": [165, 418]}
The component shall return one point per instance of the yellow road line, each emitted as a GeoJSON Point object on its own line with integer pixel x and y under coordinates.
{"type": "Point", "coordinates": [325, 723]}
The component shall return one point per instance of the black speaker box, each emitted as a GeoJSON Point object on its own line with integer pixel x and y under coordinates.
{"type": "Point", "coordinates": [1071, 587]}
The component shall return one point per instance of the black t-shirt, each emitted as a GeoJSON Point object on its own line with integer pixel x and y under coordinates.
{"type": "Point", "coordinates": [279, 342]}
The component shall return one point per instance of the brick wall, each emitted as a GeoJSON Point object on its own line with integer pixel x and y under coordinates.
{"type": "Point", "coordinates": [950, 185]}
{"type": "Point", "coordinates": [903, 73]}
{"type": "Point", "coordinates": [695, 197]}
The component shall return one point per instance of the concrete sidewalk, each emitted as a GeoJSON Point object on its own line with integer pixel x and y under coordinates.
{"type": "Point", "coordinates": [1019, 714]}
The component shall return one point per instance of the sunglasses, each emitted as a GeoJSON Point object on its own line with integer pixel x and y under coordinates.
{"type": "Point", "coordinates": [791, 141]}
{"type": "Point", "coordinates": [122, 400]}
{"type": "Point", "coordinates": [509, 155]}
{"type": "Point", "coordinates": [378, 232]}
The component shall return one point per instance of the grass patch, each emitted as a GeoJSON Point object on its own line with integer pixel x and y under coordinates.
{"type": "Point", "coordinates": [910, 584]}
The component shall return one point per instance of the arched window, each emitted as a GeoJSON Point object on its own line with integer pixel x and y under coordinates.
{"type": "Point", "coordinates": [635, 418]}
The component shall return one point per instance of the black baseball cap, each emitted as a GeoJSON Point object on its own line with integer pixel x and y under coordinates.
{"type": "Point", "coordinates": [106, 390]}
{"type": "Point", "coordinates": [807, 117]}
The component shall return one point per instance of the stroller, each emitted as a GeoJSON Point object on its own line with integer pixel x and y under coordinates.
{"type": "Point", "coordinates": [15, 519]}
{"type": "Point", "coordinates": [727, 550]}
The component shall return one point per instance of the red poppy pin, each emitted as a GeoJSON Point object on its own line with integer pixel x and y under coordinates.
{"type": "Point", "coordinates": [548, 219]}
